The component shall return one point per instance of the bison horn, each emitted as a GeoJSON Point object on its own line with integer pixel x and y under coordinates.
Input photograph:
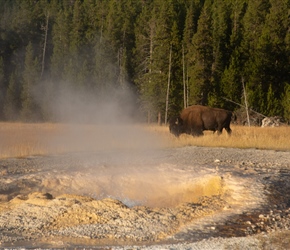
{"type": "Point", "coordinates": [178, 121]}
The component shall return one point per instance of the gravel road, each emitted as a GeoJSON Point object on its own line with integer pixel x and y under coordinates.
{"type": "Point", "coordinates": [174, 198]}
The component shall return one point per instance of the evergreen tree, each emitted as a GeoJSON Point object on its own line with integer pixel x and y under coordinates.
{"type": "Point", "coordinates": [77, 28]}
{"type": "Point", "coordinates": [273, 104]}
{"type": "Point", "coordinates": [200, 71]}
{"type": "Point", "coordinates": [254, 20]}
{"type": "Point", "coordinates": [156, 34]}
{"type": "Point", "coordinates": [190, 27]}
{"type": "Point", "coordinates": [12, 103]}
{"type": "Point", "coordinates": [119, 31]}
{"type": "Point", "coordinates": [105, 70]}
{"type": "Point", "coordinates": [237, 12]}
{"type": "Point", "coordinates": [274, 65]}
{"type": "Point", "coordinates": [76, 68]}
{"type": "Point", "coordinates": [193, 10]}
{"type": "Point", "coordinates": [286, 102]}
{"type": "Point", "coordinates": [158, 71]}
{"type": "Point", "coordinates": [74, 60]}
{"type": "Point", "coordinates": [286, 92]}
{"type": "Point", "coordinates": [176, 91]}
{"type": "Point", "coordinates": [231, 81]}
{"type": "Point", "coordinates": [106, 44]}
{"type": "Point", "coordinates": [61, 44]}
{"type": "Point", "coordinates": [94, 16]}
{"type": "Point", "coordinates": [2, 87]}
{"type": "Point", "coordinates": [31, 74]}
{"type": "Point", "coordinates": [143, 53]}
{"type": "Point", "coordinates": [221, 48]}
{"type": "Point", "coordinates": [270, 62]}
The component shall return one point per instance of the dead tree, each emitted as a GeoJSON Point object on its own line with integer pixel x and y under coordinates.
{"type": "Point", "coordinates": [168, 85]}
{"type": "Point", "coordinates": [45, 28]}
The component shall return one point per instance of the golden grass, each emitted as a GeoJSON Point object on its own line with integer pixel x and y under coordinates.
{"type": "Point", "coordinates": [20, 140]}
{"type": "Point", "coordinates": [277, 138]}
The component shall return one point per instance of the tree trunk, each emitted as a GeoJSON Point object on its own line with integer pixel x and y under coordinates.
{"type": "Point", "coordinates": [184, 81]}
{"type": "Point", "coordinates": [45, 28]}
{"type": "Point", "coordinates": [246, 102]}
{"type": "Point", "coordinates": [148, 117]}
{"type": "Point", "coordinates": [168, 85]}
{"type": "Point", "coordinates": [159, 119]}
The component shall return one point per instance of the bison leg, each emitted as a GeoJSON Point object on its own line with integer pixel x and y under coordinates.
{"type": "Point", "coordinates": [197, 133]}
{"type": "Point", "coordinates": [228, 130]}
{"type": "Point", "coordinates": [219, 131]}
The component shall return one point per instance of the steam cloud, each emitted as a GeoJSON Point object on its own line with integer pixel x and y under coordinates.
{"type": "Point", "coordinates": [107, 147]}
{"type": "Point", "coordinates": [103, 121]}
{"type": "Point", "coordinates": [75, 105]}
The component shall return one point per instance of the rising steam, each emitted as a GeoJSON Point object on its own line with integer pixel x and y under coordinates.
{"type": "Point", "coordinates": [98, 121]}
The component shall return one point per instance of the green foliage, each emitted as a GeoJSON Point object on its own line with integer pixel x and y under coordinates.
{"type": "Point", "coordinates": [231, 81]}
{"type": "Point", "coordinates": [2, 86]}
{"type": "Point", "coordinates": [100, 46]}
{"type": "Point", "coordinates": [286, 102]}
{"type": "Point", "coordinates": [200, 73]}
{"type": "Point", "coordinates": [273, 108]}
{"type": "Point", "coordinates": [12, 102]}
{"type": "Point", "coordinates": [31, 75]}
{"type": "Point", "coordinates": [267, 65]}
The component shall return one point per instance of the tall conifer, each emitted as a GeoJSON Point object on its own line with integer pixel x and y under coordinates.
{"type": "Point", "coordinates": [200, 71]}
{"type": "Point", "coordinates": [254, 20]}
{"type": "Point", "coordinates": [12, 100]}
{"type": "Point", "coordinates": [31, 75]}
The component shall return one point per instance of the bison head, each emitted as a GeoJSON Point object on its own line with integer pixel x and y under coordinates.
{"type": "Point", "coordinates": [176, 126]}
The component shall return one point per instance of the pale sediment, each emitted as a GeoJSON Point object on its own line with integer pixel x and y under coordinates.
{"type": "Point", "coordinates": [103, 199]}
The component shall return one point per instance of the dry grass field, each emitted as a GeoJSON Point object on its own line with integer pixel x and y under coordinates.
{"type": "Point", "coordinates": [21, 139]}
{"type": "Point", "coordinates": [277, 138]}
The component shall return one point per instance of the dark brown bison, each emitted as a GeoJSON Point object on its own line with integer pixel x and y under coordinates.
{"type": "Point", "coordinates": [195, 119]}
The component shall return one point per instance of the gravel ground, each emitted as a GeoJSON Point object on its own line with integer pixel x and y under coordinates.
{"type": "Point", "coordinates": [182, 198]}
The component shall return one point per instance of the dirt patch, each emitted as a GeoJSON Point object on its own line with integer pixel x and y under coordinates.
{"type": "Point", "coordinates": [176, 196]}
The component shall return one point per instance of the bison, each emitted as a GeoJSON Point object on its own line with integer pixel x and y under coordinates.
{"type": "Point", "coordinates": [195, 119]}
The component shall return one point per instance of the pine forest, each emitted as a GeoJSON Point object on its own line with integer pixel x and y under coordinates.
{"type": "Point", "coordinates": [168, 54]}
